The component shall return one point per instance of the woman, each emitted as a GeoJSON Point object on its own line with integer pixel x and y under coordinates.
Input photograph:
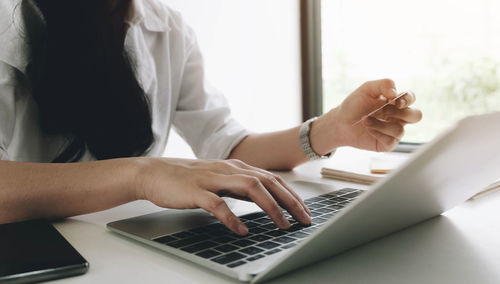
{"type": "Point", "coordinates": [88, 93]}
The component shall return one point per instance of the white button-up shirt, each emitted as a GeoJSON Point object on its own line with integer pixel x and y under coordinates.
{"type": "Point", "coordinates": [169, 68]}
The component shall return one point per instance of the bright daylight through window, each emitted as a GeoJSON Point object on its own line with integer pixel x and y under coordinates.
{"type": "Point", "coordinates": [446, 51]}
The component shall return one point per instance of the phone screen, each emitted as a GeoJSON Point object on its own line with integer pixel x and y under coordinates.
{"type": "Point", "coordinates": [36, 251]}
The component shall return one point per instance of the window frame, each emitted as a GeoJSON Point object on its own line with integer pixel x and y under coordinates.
{"type": "Point", "coordinates": [312, 65]}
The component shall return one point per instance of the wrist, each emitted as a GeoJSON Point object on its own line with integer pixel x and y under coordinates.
{"type": "Point", "coordinates": [325, 135]}
{"type": "Point", "coordinates": [137, 170]}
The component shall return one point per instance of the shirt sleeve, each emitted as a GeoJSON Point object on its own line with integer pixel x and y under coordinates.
{"type": "Point", "coordinates": [7, 107]}
{"type": "Point", "coordinates": [202, 116]}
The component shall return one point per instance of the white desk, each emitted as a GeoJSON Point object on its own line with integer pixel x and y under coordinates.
{"type": "Point", "coordinates": [463, 246]}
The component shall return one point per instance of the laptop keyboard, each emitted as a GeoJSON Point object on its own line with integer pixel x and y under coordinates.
{"type": "Point", "coordinates": [218, 244]}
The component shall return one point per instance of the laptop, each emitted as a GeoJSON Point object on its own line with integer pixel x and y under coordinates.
{"type": "Point", "coordinates": [440, 175]}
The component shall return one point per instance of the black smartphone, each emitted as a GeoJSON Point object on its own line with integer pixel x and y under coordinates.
{"type": "Point", "coordinates": [35, 251]}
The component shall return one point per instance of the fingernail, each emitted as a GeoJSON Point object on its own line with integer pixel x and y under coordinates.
{"type": "Point", "coordinates": [308, 211]}
{"type": "Point", "coordinates": [242, 229]}
{"type": "Point", "coordinates": [402, 103]}
{"type": "Point", "coordinates": [308, 219]}
{"type": "Point", "coordinates": [284, 222]}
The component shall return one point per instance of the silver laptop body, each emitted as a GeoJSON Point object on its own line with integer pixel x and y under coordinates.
{"type": "Point", "coordinates": [442, 174]}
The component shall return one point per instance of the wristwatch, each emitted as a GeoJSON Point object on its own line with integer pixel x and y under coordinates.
{"type": "Point", "coordinates": [305, 142]}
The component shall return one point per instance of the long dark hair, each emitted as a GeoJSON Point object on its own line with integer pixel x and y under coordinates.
{"type": "Point", "coordinates": [83, 80]}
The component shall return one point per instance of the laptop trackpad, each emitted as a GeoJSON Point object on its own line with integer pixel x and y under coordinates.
{"type": "Point", "coordinates": [164, 222]}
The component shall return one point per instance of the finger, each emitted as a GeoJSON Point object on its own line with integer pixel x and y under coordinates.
{"type": "Point", "coordinates": [406, 100]}
{"type": "Point", "coordinates": [215, 205]}
{"type": "Point", "coordinates": [282, 196]}
{"type": "Point", "coordinates": [377, 88]}
{"type": "Point", "coordinates": [292, 192]}
{"type": "Point", "coordinates": [384, 143]}
{"type": "Point", "coordinates": [391, 113]}
{"type": "Point", "coordinates": [392, 129]}
{"type": "Point", "coordinates": [277, 177]}
{"type": "Point", "coordinates": [239, 164]}
{"type": "Point", "coordinates": [252, 188]}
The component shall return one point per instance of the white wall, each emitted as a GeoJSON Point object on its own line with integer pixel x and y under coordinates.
{"type": "Point", "coordinates": [252, 54]}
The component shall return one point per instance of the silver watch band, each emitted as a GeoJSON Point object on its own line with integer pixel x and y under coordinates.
{"type": "Point", "coordinates": [305, 142]}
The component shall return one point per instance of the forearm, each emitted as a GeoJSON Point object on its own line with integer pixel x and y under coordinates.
{"type": "Point", "coordinates": [282, 150]}
{"type": "Point", "coordinates": [35, 190]}
{"type": "Point", "coordinates": [277, 150]}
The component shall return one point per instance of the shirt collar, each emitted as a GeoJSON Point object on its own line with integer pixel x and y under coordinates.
{"type": "Point", "coordinates": [150, 12]}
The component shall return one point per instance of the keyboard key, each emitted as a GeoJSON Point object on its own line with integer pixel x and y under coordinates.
{"type": "Point", "coordinates": [226, 248]}
{"type": "Point", "coordinates": [324, 210]}
{"type": "Point", "coordinates": [243, 243]}
{"type": "Point", "coordinates": [199, 230]}
{"type": "Point", "coordinates": [269, 226]}
{"type": "Point", "coordinates": [276, 233]}
{"type": "Point", "coordinates": [315, 213]}
{"type": "Point", "coordinates": [272, 251]}
{"type": "Point", "coordinates": [235, 236]}
{"type": "Point", "coordinates": [218, 233]}
{"type": "Point", "coordinates": [200, 246]}
{"type": "Point", "coordinates": [338, 206]}
{"type": "Point", "coordinates": [347, 190]}
{"type": "Point", "coordinates": [315, 206]}
{"type": "Point", "coordinates": [310, 229]}
{"type": "Point", "coordinates": [253, 216]}
{"type": "Point", "coordinates": [257, 230]}
{"type": "Point", "coordinates": [339, 199]}
{"type": "Point", "coordinates": [165, 239]}
{"type": "Point", "coordinates": [351, 195]}
{"type": "Point", "coordinates": [315, 199]}
{"type": "Point", "coordinates": [183, 235]}
{"type": "Point", "coordinates": [328, 216]}
{"type": "Point", "coordinates": [209, 253]}
{"type": "Point", "coordinates": [334, 207]}
{"type": "Point", "coordinates": [251, 224]}
{"type": "Point", "coordinates": [319, 220]}
{"type": "Point", "coordinates": [268, 245]}
{"type": "Point", "coordinates": [227, 258]}
{"type": "Point", "coordinates": [251, 250]}
{"type": "Point", "coordinates": [291, 245]}
{"type": "Point", "coordinates": [235, 264]}
{"type": "Point", "coordinates": [296, 227]}
{"type": "Point", "coordinates": [214, 227]}
{"type": "Point", "coordinates": [332, 195]}
{"type": "Point", "coordinates": [263, 221]}
{"type": "Point", "coordinates": [307, 202]}
{"type": "Point", "coordinates": [284, 240]}
{"type": "Point", "coordinates": [224, 239]}
{"type": "Point", "coordinates": [187, 242]}
{"type": "Point", "coordinates": [327, 202]}
{"type": "Point", "coordinates": [260, 238]}
{"type": "Point", "coordinates": [298, 235]}
{"type": "Point", "coordinates": [253, 258]}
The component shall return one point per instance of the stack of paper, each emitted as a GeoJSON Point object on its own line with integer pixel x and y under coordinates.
{"type": "Point", "coordinates": [489, 189]}
{"type": "Point", "coordinates": [349, 176]}
{"type": "Point", "coordinates": [362, 167]}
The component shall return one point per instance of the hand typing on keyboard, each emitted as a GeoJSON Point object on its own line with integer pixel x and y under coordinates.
{"type": "Point", "coordinates": [217, 244]}
{"type": "Point", "coordinates": [184, 183]}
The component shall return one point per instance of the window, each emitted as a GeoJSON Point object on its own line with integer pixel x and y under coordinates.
{"type": "Point", "coordinates": [446, 51]}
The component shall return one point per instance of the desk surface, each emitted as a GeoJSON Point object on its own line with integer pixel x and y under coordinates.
{"type": "Point", "coordinates": [462, 246]}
